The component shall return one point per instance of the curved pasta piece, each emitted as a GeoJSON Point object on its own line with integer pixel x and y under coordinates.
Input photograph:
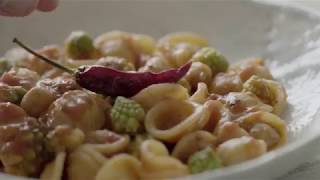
{"type": "Point", "coordinates": [191, 143]}
{"type": "Point", "coordinates": [171, 119]}
{"type": "Point", "coordinates": [153, 94]}
{"type": "Point", "coordinates": [84, 163]}
{"type": "Point", "coordinates": [201, 95]}
{"type": "Point", "coordinates": [229, 130]}
{"type": "Point", "coordinates": [219, 114]}
{"type": "Point", "coordinates": [237, 150]}
{"type": "Point", "coordinates": [269, 91]}
{"type": "Point", "coordinates": [249, 121]}
{"type": "Point", "coordinates": [107, 142]}
{"type": "Point", "coordinates": [241, 103]}
{"type": "Point", "coordinates": [77, 108]}
{"type": "Point", "coordinates": [251, 67]}
{"type": "Point", "coordinates": [54, 170]}
{"type": "Point", "coordinates": [197, 73]}
{"type": "Point", "coordinates": [122, 166]}
{"type": "Point", "coordinates": [158, 164]}
{"type": "Point", "coordinates": [183, 37]}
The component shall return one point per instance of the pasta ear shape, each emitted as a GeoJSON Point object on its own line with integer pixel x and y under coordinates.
{"type": "Point", "coordinates": [54, 170]}
{"type": "Point", "coordinates": [153, 94]}
{"type": "Point", "coordinates": [158, 164]}
{"type": "Point", "coordinates": [122, 166]}
{"type": "Point", "coordinates": [107, 142]}
{"type": "Point", "coordinates": [201, 95]}
{"type": "Point", "coordinates": [191, 143]}
{"type": "Point", "coordinates": [272, 129]}
{"type": "Point", "coordinates": [84, 163]}
{"type": "Point", "coordinates": [171, 119]}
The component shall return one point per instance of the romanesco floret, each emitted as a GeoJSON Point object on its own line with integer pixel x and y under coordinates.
{"type": "Point", "coordinates": [211, 57]}
{"type": "Point", "coordinates": [204, 160]}
{"type": "Point", "coordinates": [126, 115]}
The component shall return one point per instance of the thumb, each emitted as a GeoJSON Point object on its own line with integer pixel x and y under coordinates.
{"type": "Point", "coordinates": [17, 7]}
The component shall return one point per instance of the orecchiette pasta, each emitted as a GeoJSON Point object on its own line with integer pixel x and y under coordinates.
{"type": "Point", "coordinates": [106, 142]}
{"type": "Point", "coordinates": [122, 166]}
{"type": "Point", "coordinates": [76, 109]}
{"type": "Point", "coordinates": [84, 163]}
{"type": "Point", "coordinates": [158, 164]}
{"type": "Point", "coordinates": [192, 143]}
{"type": "Point", "coordinates": [251, 67]}
{"type": "Point", "coordinates": [269, 91]}
{"type": "Point", "coordinates": [240, 103]}
{"type": "Point", "coordinates": [198, 72]}
{"type": "Point", "coordinates": [154, 94]}
{"type": "Point", "coordinates": [229, 130]}
{"type": "Point", "coordinates": [201, 95]}
{"type": "Point", "coordinates": [272, 129]}
{"type": "Point", "coordinates": [240, 149]}
{"type": "Point", "coordinates": [224, 83]}
{"type": "Point", "coordinates": [182, 117]}
{"type": "Point", "coordinates": [54, 170]}
{"type": "Point", "coordinates": [183, 37]}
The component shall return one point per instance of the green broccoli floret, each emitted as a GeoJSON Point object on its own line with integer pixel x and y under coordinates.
{"type": "Point", "coordinates": [211, 57]}
{"type": "Point", "coordinates": [79, 45]}
{"type": "Point", "coordinates": [126, 115]}
{"type": "Point", "coordinates": [204, 160]}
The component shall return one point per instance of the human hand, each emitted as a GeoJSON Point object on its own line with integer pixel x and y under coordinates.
{"type": "Point", "coordinates": [25, 7]}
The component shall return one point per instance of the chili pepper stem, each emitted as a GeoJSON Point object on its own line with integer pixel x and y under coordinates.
{"type": "Point", "coordinates": [47, 60]}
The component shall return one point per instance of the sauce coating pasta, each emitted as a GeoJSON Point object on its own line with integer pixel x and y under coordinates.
{"type": "Point", "coordinates": [215, 116]}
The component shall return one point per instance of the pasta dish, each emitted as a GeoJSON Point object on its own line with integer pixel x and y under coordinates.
{"type": "Point", "coordinates": [125, 106]}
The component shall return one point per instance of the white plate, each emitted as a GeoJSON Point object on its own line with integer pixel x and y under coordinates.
{"type": "Point", "coordinates": [287, 36]}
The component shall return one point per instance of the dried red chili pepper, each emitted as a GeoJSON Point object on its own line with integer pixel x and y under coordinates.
{"type": "Point", "coordinates": [112, 82]}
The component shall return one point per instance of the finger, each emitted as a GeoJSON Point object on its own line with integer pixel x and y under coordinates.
{"type": "Point", "coordinates": [17, 7]}
{"type": "Point", "coordinates": [47, 5]}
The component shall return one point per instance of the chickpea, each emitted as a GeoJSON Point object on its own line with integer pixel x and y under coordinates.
{"type": "Point", "coordinates": [266, 133]}
{"type": "Point", "coordinates": [241, 149]}
{"type": "Point", "coordinates": [37, 100]}
{"type": "Point", "coordinates": [224, 83]}
{"type": "Point", "coordinates": [20, 77]}
{"type": "Point", "coordinates": [198, 72]}
{"type": "Point", "coordinates": [229, 130]}
{"type": "Point", "coordinates": [209, 56]}
{"type": "Point", "coordinates": [79, 45]}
